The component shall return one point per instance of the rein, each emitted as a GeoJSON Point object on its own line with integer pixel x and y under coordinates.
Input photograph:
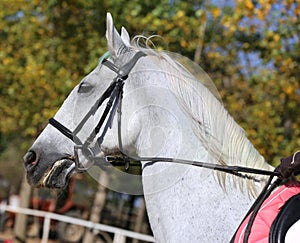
{"type": "Point", "coordinates": [114, 94]}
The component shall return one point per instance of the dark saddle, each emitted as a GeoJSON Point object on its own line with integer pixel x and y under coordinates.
{"type": "Point", "coordinates": [288, 215]}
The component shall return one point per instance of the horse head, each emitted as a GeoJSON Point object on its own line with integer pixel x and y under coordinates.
{"type": "Point", "coordinates": [51, 160]}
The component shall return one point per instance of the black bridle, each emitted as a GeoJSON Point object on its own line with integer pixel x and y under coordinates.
{"type": "Point", "coordinates": [114, 94]}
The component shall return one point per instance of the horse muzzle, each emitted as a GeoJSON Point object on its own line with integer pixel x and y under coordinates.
{"type": "Point", "coordinates": [53, 173]}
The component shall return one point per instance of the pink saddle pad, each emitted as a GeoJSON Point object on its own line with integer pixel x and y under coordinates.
{"type": "Point", "coordinates": [266, 215]}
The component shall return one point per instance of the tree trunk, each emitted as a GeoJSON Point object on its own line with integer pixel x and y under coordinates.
{"type": "Point", "coordinates": [21, 219]}
{"type": "Point", "coordinates": [97, 207]}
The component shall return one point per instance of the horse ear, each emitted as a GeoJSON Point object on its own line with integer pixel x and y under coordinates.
{"type": "Point", "coordinates": [116, 44]}
{"type": "Point", "coordinates": [125, 36]}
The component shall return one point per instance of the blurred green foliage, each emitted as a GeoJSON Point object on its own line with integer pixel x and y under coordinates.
{"type": "Point", "coordinates": [251, 49]}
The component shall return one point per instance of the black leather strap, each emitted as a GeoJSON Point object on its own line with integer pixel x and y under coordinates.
{"type": "Point", "coordinates": [60, 127]}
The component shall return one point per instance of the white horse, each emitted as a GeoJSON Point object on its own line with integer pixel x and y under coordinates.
{"type": "Point", "coordinates": [166, 112]}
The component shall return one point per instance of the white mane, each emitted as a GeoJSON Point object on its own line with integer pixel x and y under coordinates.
{"type": "Point", "coordinates": [223, 138]}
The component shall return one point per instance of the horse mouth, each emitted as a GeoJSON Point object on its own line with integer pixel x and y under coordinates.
{"type": "Point", "coordinates": [59, 174]}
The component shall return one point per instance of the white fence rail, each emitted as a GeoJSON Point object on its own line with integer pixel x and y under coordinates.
{"type": "Point", "coordinates": [120, 235]}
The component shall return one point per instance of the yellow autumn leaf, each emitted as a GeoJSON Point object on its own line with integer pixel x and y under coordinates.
{"type": "Point", "coordinates": [260, 14]}
{"type": "Point", "coordinates": [216, 12]}
{"type": "Point", "coordinates": [276, 37]}
{"type": "Point", "coordinates": [288, 89]}
{"type": "Point", "coordinates": [249, 4]}
{"type": "Point", "coordinates": [180, 14]}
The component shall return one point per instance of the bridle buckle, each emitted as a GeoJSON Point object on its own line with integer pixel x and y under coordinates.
{"type": "Point", "coordinates": [87, 153]}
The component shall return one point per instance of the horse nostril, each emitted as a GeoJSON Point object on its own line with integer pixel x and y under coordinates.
{"type": "Point", "coordinates": [30, 158]}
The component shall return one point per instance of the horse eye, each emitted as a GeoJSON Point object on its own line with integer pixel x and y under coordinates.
{"type": "Point", "coordinates": [84, 88]}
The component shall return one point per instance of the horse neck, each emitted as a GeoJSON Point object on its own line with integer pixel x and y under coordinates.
{"type": "Point", "coordinates": [199, 125]}
{"type": "Point", "coordinates": [183, 201]}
